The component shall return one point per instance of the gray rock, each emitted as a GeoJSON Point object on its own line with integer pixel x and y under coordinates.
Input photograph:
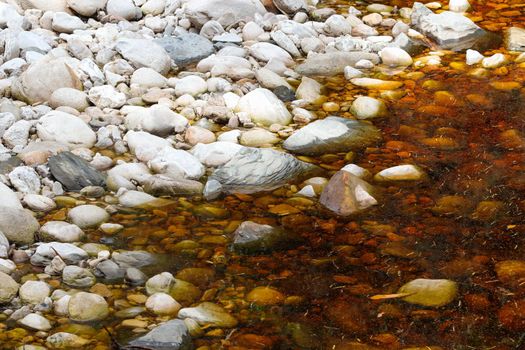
{"type": "Point", "coordinates": [226, 13]}
{"type": "Point", "coordinates": [70, 253]}
{"type": "Point", "coordinates": [18, 225]}
{"type": "Point", "coordinates": [331, 135]}
{"type": "Point", "coordinates": [515, 39]}
{"type": "Point", "coordinates": [110, 270]}
{"type": "Point", "coordinates": [87, 307]}
{"type": "Point", "coordinates": [8, 288]}
{"type": "Point", "coordinates": [253, 170]}
{"type": "Point", "coordinates": [251, 237]}
{"type": "Point", "coordinates": [172, 335]}
{"type": "Point", "coordinates": [451, 30]}
{"type": "Point", "coordinates": [186, 49]}
{"type": "Point", "coordinates": [78, 277]}
{"type": "Point", "coordinates": [34, 292]}
{"type": "Point", "coordinates": [135, 277]}
{"type": "Point", "coordinates": [73, 172]}
{"type": "Point", "coordinates": [333, 63]}
{"type": "Point", "coordinates": [135, 258]}
{"type": "Point", "coordinates": [209, 314]}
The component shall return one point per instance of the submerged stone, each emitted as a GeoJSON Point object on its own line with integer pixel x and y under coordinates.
{"type": "Point", "coordinates": [209, 314]}
{"type": "Point", "coordinates": [251, 237]}
{"type": "Point", "coordinates": [172, 335]}
{"type": "Point", "coordinates": [429, 292]}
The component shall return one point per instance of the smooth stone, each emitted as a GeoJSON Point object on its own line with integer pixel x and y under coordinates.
{"type": "Point", "coordinates": [73, 172]}
{"type": "Point", "coordinates": [8, 288]}
{"type": "Point", "coordinates": [144, 53]}
{"type": "Point", "coordinates": [515, 39]}
{"type": "Point", "coordinates": [473, 57]}
{"type": "Point", "coordinates": [429, 292]}
{"type": "Point", "coordinates": [42, 78]}
{"type": "Point", "coordinates": [216, 153]}
{"type": "Point", "coordinates": [87, 307]}
{"type": "Point", "coordinates": [330, 135]}
{"type": "Point", "coordinates": [136, 199]}
{"type": "Point", "coordinates": [78, 277]}
{"type": "Point", "coordinates": [264, 107]}
{"type": "Point", "coordinates": [135, 258]}
{"type": "Point", "coordinates": [177, 163]}
{"type": "Point", "coordinates": [158, 120]}
{"type": "Point", "coordinates": [458, 5]}
{"type": "Point", "coordinates": [88, 215]}
{"type": "Point", "coordinates": [147, 78]}
{"type": "Point", "coordinates": [208, 313]}
{"type": "Point", "coordinates": [376, 84]}
{"type": "Point", "coordinates": [309, 90]}
{"type": "Point", "coordinates": [333, 63]}
{"type": "Point", "coordinates": [406, 172]}
{"type": "Point", "coordinates": [69, 97]}
{"type": "Point", "coordinates": [9, 197]}
{"type": "Point", "coordinates": [358, 171]}
{"type": "Point", "coordinates": [36, 322]}
{"type": "Point", "coordinates": [395, 57]}
{"type": "Point", "coordinates": [187, 48]}
{"type": "Point", "coordinates": [69, 253]}
{"type": "Point", "coordinates": [86, 8]}
{"type": "Point", "coordinates": [65, 23]}
{"type": "Point", "coordinates": [258, 138]}
{"type": "Point", "coordinates": [346, 194]}
{"type": "Point", "coordinates": [36, 153]}
{"type": "Point", "coordinates": [162, 304]}
{"type": "Point", "coordinates": [18, 225]}
{"type": "Point", "coordinates": [253, 170]}
{"type": "Point", "coordinates": [365, 107]}
{"type": "Point", "coordinates": [510, 272]}
{"type": "Point", "coordinates": [34, 292]}
{"type": "Point", "coordinates": [226, 13]}
{"type": "Point", "coordinates": [265, 296]}
{"type": "Point", "coordinates": [64, 340]}
{"type": "Point", "coordinates": [160, 185]}
{"type": "Point", "coordinates": [65, 128]}
{"type": "Point", "coordinates": [172, 335]}
{"type": "Point", "coordinates": [110, 271]}
{"type": "Point", "coordinates": [250, 238]}
{"type": "Point", "coordinates": [192, 85]}
{"type": "Point", "coordinates": [125, 9]}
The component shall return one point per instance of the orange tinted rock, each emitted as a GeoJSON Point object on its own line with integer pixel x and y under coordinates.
{"type": "Point", "coordinates": [512, 315]}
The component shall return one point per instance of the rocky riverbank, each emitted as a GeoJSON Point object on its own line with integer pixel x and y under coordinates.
{"type": "Point", "coordinates": [119, 111]}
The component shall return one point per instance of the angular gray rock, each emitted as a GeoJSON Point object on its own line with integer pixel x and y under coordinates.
{"type": "Point", "coordinates": [186, 49]}
{"type": "Point", "coordinates": [251, 237]}
{"type": "Point", "coordinates": [160, 185]}
{"type": "Point", "coordinates": [18, 225]}
{"type": "Point", "coordinates": [172, 335]}
{"type": "Point", "coordinates": [253, 170]}
{"type": "Point", "coordinates": [73, 172]}
{"type": "Point", "coordinates": [226, 13]}
{"type": "Point", "coordinates": [144, 53]}
{"type": "Point", "coordinates": [451, 30]}
{"type": "Point", "coordinates": [333, 63]}
{"type": "Point", "coordinates": [70, 253]}
{"type": "Point", "coordinates": [332, 135]}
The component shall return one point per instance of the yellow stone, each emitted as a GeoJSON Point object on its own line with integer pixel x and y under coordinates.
{"type": "Point", "coordinates": [137, 298]}
{"type": "Point", "coordinates": [283, 209]}
{"type": "Point", "coordinates": [134, 323]}
{"type": "Point", "coordinates": [505, 85]}
{"type": "Point", "coordinates": [265, 296]}
{"type": "Point", "coordinates": [330, 107]}
{"type": "Point", "coordinates": [376, 84]}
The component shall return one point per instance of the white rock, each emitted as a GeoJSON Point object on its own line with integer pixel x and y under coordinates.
{"type": "Point", "coordinates": [133, 199]}
{"type": "Point", "coordinates": [7, 266]}
{"type": "Point", "coordinates": [87, 307]}
{"type": "Point", "coordinates": [337, 25]}
{"type": "Point", "coordinates": [65, 128]}
{"type": "Point", "coordinates": [61, 231]}
{"type": "Point", "coordinates": [269, 79]}
{"type": "Point", "coordinates": [395, 56]}
{"type": "Point", "coordinates": [157, 120]}
{"type": "Point", "coordinates": [230, 136]}
{"type": "Point", "coordinates": [34, 292]}
{"type": "Point", "coordinates": [372, 19]}
{"type": "Point", "coordinates": [66, 23]}
{"type": "Point", "coordinates": [154, 7]}
{"type": "Point", "coordinates": [123, 8]}
{"type": "Point", "coordinates": [266, 51]}
{"type": "Point", "coordinates": [36, 322]}
{"type": "Point", "coordinates": [494, 61]}
{"type": "Point", "coordinates": [87, 215]}
{"type": "Point", "coordinates": [86, 7]}
{"type": "Point", "coordinates": [473, 57]}
{"type": "Point", "coordinates": [38, 202]}
{"type": "Point", "coordinates": [358, 171]}
{"type": "Point", "coordinates": [25, 179]}
{"type": "Point", "coordinates": [106, 96]}
{"type": "Point", "coordinates": [365, 107]}
{"type": "Point", "coordinates": [251, 31]}
{"type": "Point", "coordinates": [17, 134]}
{"type": "Point", "coordinates": [406, 172]}
{"type": "Point", "coordinates": [144, 53]}
{"type": "Point", "coordinates": [177, 163]}
{"type": "Point", "coordinates": [351, 73]}
{"type": "Point", "coordinates": [307, 191]}
{"type": "Point", "coordinates": [147, 78]}
{"type": "Point", "coordinates": [69, 97]}
{"type": "Point", "coordinates": [9, 198]}
{"type": "Point", "coordinates": [60, 307]}
{"type": "Point", "coordinates": [145, 146]}
{"type": "Point", "coordinates": [458, 5]}
{"type": "Point", "coordinates": [162, 304]}
{"type": "Point", "coordinates": [309, 90]}
{"type": "Point", "coordinates": [192, 85]}
{"type": "Point", "coordinates": [264, 107]}
{"type": "Point", "coordinates": [196, 134]}
{"type": "Point", "coordinates": [217, 153]}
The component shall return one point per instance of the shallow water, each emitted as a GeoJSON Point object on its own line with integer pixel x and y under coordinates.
{"type": "Point", "coordinates": [468, 137]}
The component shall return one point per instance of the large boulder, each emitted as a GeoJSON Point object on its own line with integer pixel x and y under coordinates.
{"type": "Point", "coordinates": [144, 53]}
{"type": "Point", "coordinates": [332, 135]}
{"type": "Point", "coordinates": [18, 225]}
{"type": "Point", "coordinates": [74, 172]}
{"type": "Point", "coordinates": [346, 194]}
{"type": "Point", "coordinates": [42, 78]}
{"type": "Point", "coordinates": [333, 63]}
{"type": "Point", "coordinates": [186, 49]}
{"type": "Point", "coordinates": [172, 335]}
{"type": "Point", "coordinates": [253, 170]}
{"type": "Point", "coordinates": [451, 30]}
{"type": "Point", "coordinates": [226, 13]}
{"type": "Point", "coordinates": [65, 128]}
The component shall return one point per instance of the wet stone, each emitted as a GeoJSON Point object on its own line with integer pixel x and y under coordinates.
{"type": "Point", "coordinates": [250, 238]}
{"type": "Point", "coordinates": [73, 172]}
{"type": "Point", "coordinates": [172, 335]}
{"type": "Point", "coordinates": [209, 314]}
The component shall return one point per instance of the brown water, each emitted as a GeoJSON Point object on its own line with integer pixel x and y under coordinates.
{"type": "Point", "coordinates": [466, 217]}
